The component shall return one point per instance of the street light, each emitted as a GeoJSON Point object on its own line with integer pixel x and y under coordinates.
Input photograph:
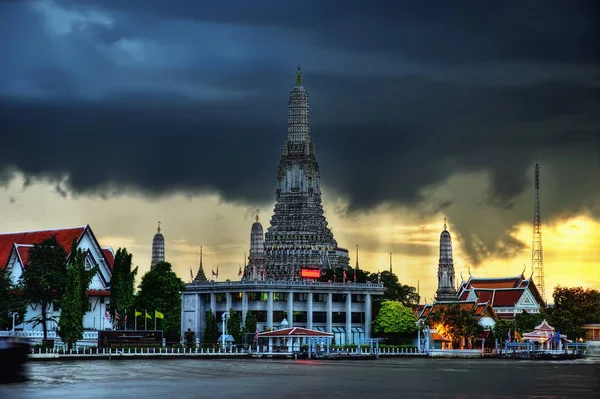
{"type": "Point", "coordinates": [224, 317]}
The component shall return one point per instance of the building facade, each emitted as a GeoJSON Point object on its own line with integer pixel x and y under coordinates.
{"type": "Point", "coordinates": [341, 309]}
{"type": "Point", "coordinates": [14, 252]}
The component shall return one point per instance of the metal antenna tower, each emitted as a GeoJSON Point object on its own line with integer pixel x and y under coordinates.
{"type": "Point", "coordinates": [537, 253]}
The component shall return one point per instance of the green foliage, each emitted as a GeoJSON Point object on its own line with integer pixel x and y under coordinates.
{"type": "Point", "coordinates": [582, 304]}
{"type": "Point", "coordinates": [211, 332]}
{"type": "Point", "coordinates": [11, 302]}
{"type": "Point", "coordinates": [526, 322]}
{"type": "Point", "coordinates": [250, 326]}
{"type": "Point", "coordinates": [160, 289]}
{"type": "Point", "coordinates": [70, 324]}
{"type": "Point", "coordinates": [234, 324]}
{"type": "Point", "coordinates": [502, 327]}
{"type": "Point", "coordinates": [564, 321]}
{"type": "Point", "coordinates": [457, 322]}
{"type": "Point", "coordinates": [395, 318]}
{"type": "Point", "coordinates": [43, 278]}
{"type": "Point", "coordinates": [122, 286]}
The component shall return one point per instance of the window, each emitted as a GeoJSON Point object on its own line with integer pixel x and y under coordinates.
{"type": "Point", "coordinates": [358, 317]}
{"type": "Point", "coordinates": [236, 296]}
{"type": "Point", "coordinates": [90, 306]}
{"type": "Point", "coordinates": [319, 297]}
{"type": "Point", "coordinates": [358, 298]}
{"type": "Point", "coordinates": [261, 316]}
{"type": "Point", "coordinates": [89, 263]}
{"type": "Point", "coordinates": [339, 298]}
{"type": "Point", "coordinates": [280, 296]}
{"type": "Point", "coordinates": [220, 297]}
{"type": "Point", "coordinates": [300, 297]}
{"type": "Point", "coordinates": [299, 317]}
{"type": "Point", "coordinates": [258, 296]}
{"type": "Point", "coordinates": [319, 317]}
{"type": "Point", "coordinates": [338, 317]}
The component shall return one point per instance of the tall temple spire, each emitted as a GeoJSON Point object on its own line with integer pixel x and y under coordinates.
{"type": "Point", "coordinates": [446, 290]}
{"type": "Point", "coordinates": [391, 263]}
{"type": "Point", "coordinates": [256, 257]}
{"type": "Point", "coordinates": [201, 276]}
{"type": "Point", "coordinates": [357, 268]}
{"type": "Point", "coordinates": [299, 234]}
{"type": "Point", "coordinates": [299, 76]}
{"type": "Point", "coordinates": [158, 248]}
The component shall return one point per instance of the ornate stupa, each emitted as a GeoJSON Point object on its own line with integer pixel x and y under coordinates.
{"type": "Point", "coordinates": [201, 276]}
{"type": "Point", "coordinates": [158, 248]}
{"type": "Point", "coordinates": [298, 235]}
{"type": "Point", "coordinates": [446, 290]}
{"type": "Point", "coordinates": [255, 269]}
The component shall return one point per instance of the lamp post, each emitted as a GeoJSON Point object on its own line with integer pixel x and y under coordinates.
{"type": "Point", "coordinates": [224, 318]}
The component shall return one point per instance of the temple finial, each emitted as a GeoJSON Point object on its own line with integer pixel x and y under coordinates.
{"type": "Point", "coordinates": [158, 226]}
{"type": "Point", "coordinates": [256, 217]}
{"type": "Point", "coordinates": [298, 76]}
{"type": "Point", "coordinates": [445, 223]}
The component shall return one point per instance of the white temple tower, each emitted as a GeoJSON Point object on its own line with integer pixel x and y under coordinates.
{"type": "Point", "coordinates": [446, 290]}
{"type": "Point", "coordinates": [158, 248]}
{"type": "Point", "coordinates": [255, 270]}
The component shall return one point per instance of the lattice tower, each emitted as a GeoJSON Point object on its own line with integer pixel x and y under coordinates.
{"type": "Point", "coordinates": [537, 252]}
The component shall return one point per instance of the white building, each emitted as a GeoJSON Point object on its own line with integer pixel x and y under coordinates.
{"type": "Point", "coordinates": [14, 252]}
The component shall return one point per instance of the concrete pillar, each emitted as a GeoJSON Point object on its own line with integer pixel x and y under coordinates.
{"type": "Point", "coordinates": [244, 306]}
{"type": "Point", "coordinates": [290, 309]}
{"type": "Point", "coordinates": [270, 344]}
{"type": "Point", "coordinates": [213, 304]}
{"type": "Point", "coordinates": [329, 312]}
{"type": "Point", "coordinates": [309, 311]}
{"type": "Point", "coordinates": [349, 319]}
{"type": "Point", "coordinates": [270, 313]}
{"type": "Point", "coordinates": [228, 301]}
{"type": "Point", "coordinates": [368, 310]}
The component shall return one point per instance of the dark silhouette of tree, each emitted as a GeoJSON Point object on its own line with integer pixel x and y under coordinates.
{"type": "Point", "coordinates": [122, 286]}
{"type": "Point", "coordinates": [211, 331]}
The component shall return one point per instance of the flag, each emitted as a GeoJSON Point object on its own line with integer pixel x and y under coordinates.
{"type": "Point", "coordinates": [240, 271]}
{"type": "Point", "coordinates": [137, 313]}
{"type": "Point", "coordinates": [334, 277]}
{"type": "Point", "coordinates": [125, 317]}
{"type": "Point", "coordinates": [256, 334]}
{"type": "Point", "coordinates": [217, 271]}
{"type": "Point", "coordinates": [557, 337]}
{"type": "Point", "coordinates": [518, 337]}
{"type": "Point", "coordinates": [378, 276]}
{"type": "Point", "coordinates": [148, 316]}
{"type": "Point", "coordinates": [158, 315]}
{"type": "Point", "coordinates": [344, 276]}
{"type": "Point", "coordinates": [355, 275]}
{"type": "Point", "coordinates": [117, 316]}
{"type": "Point", "coordinates": [107, 315]}
{"type": "Point", "coordinates": [213, 272]}
{"type": "Point", "coordinates": [191, 274]}
{"type": "Point", "coordinates": [508, 338]}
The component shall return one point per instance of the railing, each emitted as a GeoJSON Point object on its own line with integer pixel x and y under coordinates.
{"type": "Point", "coordinates": [285, 283]}
{"type": "Point", "coordinates": [87, 335]}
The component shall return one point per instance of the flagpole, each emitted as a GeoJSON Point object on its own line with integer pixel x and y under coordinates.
{"type": "Point", "coordinates": [135, 318]}
{"type": "Point", "coordinates": [146, 319]}
{"type": "Point", "coordinates": [154, 319]}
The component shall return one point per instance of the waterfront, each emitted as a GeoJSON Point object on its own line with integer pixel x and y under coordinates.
{"type": "Point", "coordinates": [385, 378]}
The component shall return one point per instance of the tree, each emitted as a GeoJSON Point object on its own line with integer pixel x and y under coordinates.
{"type": "Point", "coordinates": [11, 302]}
{"type": "Point", "coordinates": [395, 320]}
{"type": "Point", "coordinates": [160, 289]}
{"type": "Point", "coordinates": [70, 324]}
{"type": "Point", "coordinates": [234, 324]}
{"type": "Point", "coordinates": [564, 321]}
{"type": "Point", "coordinates": [456, 323]}
{"type": "Point", "coordinates": [526, 322]}
{"type": "Point", "coordinates": [582, 304]}
{"type": "Point", "coordinates": [43, 278]}
{"type": "Point", "coordinates": [503, 327]}
{"type": "Point", "coordinates": [211, 331]}
{"type": "Point", "coordinates": [249, 325]}
{"type": "Point", "coordinates": [122, 285]}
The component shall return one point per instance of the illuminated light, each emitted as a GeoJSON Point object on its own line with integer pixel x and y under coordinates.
{"type": "Point", "coordinates": [310, 273]}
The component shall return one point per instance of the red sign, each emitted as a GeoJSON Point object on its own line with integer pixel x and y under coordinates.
{"type": "Point", "coordinates": [310, 273]}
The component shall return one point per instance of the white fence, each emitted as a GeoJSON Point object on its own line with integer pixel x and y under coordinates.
{"type": "Point", "coordinates": [90, 338]}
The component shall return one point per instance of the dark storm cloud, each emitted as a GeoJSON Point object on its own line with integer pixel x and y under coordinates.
{"type": "Point", "coordinates": [113, 97]}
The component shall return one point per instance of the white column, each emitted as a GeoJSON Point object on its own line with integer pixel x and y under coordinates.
{"type": "Point", "coordinates": [290, 309]}
{"type": "Point", "coordinates": [309, 311]}
{"type": "Point", "coordinates": [348, 318]}
{"type": "Point", "coordinates": [270, 344]}
{"type": "Point", "coordinates": [213, 304]}
{"type": "Point", "coordinates": [270, 313]}
{"type": "Point", "coordinates": [228, 301]}
{"type": "Point", "coordinates": [244, 307]}
{"type": "Point", "coordinates": [368, 315]}
{"type": "Point", "coordinates": [329, 312]}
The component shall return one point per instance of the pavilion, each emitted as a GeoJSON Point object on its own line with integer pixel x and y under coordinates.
{"type": "Point", "coordinates": [545, 335]}
{"type": "Point", "coordinates": [288, 340]}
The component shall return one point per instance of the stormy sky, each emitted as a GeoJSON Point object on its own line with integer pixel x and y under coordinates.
{"type": "Point", "coordinates": [117, 98]}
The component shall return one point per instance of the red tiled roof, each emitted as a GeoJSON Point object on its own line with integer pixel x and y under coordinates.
{"type": "Point", "coordinates": [510, 282]}
{"type": "Point", "coordinates": [484, 296]}
{"type": "Point", "coordinates": [110, 258]}
{"type": "Point", "coordinates": [295, 332]}
{"type": "Point", "coordinates": [63, 236]}
{"type": "Point", "coordinates": [507, 297]}
{"type": "Point", "coordinates": [464, 296]}
{"type": "Point", "coordinates": [98, 293]}
{"type": "Point", "coordinates": [23, 251]}
{"type": "Point", "coordinates": [507, 316]}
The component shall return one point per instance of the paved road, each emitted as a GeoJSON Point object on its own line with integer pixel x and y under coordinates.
{"type": "Point", "coordinates": [384, 378]}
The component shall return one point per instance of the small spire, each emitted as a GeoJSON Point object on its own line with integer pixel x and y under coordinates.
{"type": "Point", "coordinates": [256, 217]}
{"type": "Point", "coordinates": [445, 224]}
{"type": "Point", "coordinates": [298, 76]}
{"type": "Point", "coordinates": [391, 262]}
{"type": "Point", "coordinates": [158, 226]}
{"type": "Point", "coordinates": [200, 256]}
